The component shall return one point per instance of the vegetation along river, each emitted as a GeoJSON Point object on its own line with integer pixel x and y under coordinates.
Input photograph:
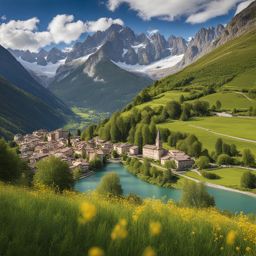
{"type": "Point", "coordinates": [225, 200]}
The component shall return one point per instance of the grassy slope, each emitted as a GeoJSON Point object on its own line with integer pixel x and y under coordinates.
{"type": "Point", "coordinates": [242, 128]}
{"type": "Point", "coordinates": [41, 223]}
{"type": "Point", "coordinates": [229, 177]}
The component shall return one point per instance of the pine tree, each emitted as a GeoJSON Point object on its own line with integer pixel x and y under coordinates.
{"type": "Point", "coordinates": [218, 146]}
{"type": "Point", "coordinates": [138, 140]}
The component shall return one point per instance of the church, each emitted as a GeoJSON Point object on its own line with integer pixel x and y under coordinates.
{"type": "Point", "coordinates": [154, 151]}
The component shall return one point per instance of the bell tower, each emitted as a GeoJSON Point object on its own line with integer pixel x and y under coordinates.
{"type": "Point", "coordinates": [158, 140]}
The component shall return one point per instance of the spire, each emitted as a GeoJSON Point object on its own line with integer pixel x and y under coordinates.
{"type": "Point", "coordinates": [158, 140]}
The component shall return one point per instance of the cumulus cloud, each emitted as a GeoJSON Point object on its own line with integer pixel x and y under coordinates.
{"type": "Point", "coordinates": [242, 6]}
{"type": "Point", "coordinates": [195, 11]}
{"type": "Point", "coordinates": [24, 34]}
{"type": "Point", "coordinates": [3, 17]}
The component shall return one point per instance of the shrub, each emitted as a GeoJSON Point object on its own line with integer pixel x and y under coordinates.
{"type": "Point", "coordinates": [110, 184]}
{"type": "Point", "coordinates": [248, 158]}
{"type": "Point", "coordinates": [95, 164]}
{"type": "Point", "coordinates": [248, 180]}
{"type": "Point", "coordinates": [195, 195]}
{"type": "Point", "coordinates": [10, 164]}
{"type": "Point", "coordinates": [202, 162]}
{"type": "Point", "coordinates": [53, 173]}
{"type": "Point", "coordinates": [210, 175]}
{"type": "Point", "coordinates": [224, 159]}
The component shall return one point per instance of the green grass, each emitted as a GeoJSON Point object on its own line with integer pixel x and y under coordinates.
{"type": "Point", "coordinates": [230, 100]}
{"type": "Point", "coordinates": [239, 127]}
{"type": "Point", "coordinates": [42, 224]}
{"type": "Point", "coordinates": [229, 177]}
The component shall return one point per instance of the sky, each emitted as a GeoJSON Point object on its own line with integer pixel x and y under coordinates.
{"type": "Point", "coordinates": [35, 24]}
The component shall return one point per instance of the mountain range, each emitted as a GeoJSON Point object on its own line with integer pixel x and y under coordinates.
{"type": "Point", "coordinates": [104, 72]}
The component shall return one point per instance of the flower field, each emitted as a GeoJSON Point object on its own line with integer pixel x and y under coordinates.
{"type": "Point", "coordinates": [43, 223]}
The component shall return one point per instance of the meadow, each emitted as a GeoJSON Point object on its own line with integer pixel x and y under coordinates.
{"type": "Point", "coordinates": [229, 177]}
{"type": "Point", "coordinates": [43, 223]}
{"type": "Point", "coordinates": [204, 127]}
{"type": "Point", "coordinates": [230, 100]}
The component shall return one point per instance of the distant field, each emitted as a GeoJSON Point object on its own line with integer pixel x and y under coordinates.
{"type": "Point", "coordinates": [163, 99]}
{"type": "Point", "coordinates": [229, 177]}
{"type": "Point", "coordinates": [230, 100]}
{"type": "Point", "coordinates": [239, 127]}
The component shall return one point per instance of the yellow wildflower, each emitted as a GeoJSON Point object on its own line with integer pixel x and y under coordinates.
{"type": "Point", "coordinates": [87, 211]}
{"type": "Point", "coordinates": [155, 228]}
{"type": "Point", "coordinates": [231, 237]}
{"type": "Point", "coordinates": [238, 248]}
{"type": "Point", "coordinates": [222, 248]}
{"type": "Point", "coordinates": [248, 249]}
{"type": "Point", "coordinates": [96, 251]}
{"type": "Point", "coordinates": [149, 251]}
{"type": "Point", "coordinates": [119, 231]}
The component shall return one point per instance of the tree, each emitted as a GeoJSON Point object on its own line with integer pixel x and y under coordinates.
{"type": "Point", "coordinates": [185, 115]}
{"type": "Point", "coordinates": [110, 184]}
{"type": "Point", "coordinates": [173, 109]}
{"type": "Point", "coordinates": [195, 149]}
{"type": "Point", "coordinates": [248, 180]}
{"type": "Point", "coordinates": [182, 99]}
{"type": "Point", "coordinates": [138, 140]}
{"type": "Point", "coordinates": [114, 132]}
{"type": "Point", "coordinates": [233, 150]}
{"type": "Point", "coordinates": [248, 158]}
{"type": "Point", "coordinates": [153, 172]}
{"type": "Point", "coordinates": [53, 173]}
{"type": "Point", "coordinates": [95, 164]}
{"type": "Point", "coordinates": [146, 167]}
{"type": "Point", "coordinates": [218, 146]}
{"type": "Point", "coordinates": [167, 175]}
{"type": "Point", "coordinates": [131, 135]}
{"type": "Point", "coordinates": [88, 133]}
{"type": "Point", "coordinates": [218, 104]}
{"type": "Point", "coordinates": [10, 164]}
{"type": "Point", "coordinates": [170, 164]}
{"type": "Point", "coordinates": [78, 132]}
{"type": "Point", "coordinates": [195, 195]}
{"type": "Point", "coordinates": [69, 139]}
{"type": "Point", "coordinates": [224, 159]}
{"type": "Point", "coordinates": [146, 135]}
{"type": "Point", "coordinates": [201, 108]}
{"type": "Point", "coordinates": [202, 162]}
{"type": "Point", "coordinates": [226, 149]}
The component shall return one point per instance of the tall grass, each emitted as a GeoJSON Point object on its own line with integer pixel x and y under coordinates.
{"type": "Point", "coordinates": [43, 223]}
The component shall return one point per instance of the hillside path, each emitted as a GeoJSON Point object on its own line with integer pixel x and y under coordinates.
{"type": "Point", "coordinates": [245, 96]}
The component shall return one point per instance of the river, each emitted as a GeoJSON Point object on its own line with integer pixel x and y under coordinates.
{"type": "Point", "coordinates": [225, 200]}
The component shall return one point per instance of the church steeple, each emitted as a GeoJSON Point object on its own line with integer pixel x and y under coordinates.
{"type": "Point", "coordinates": [158, 140]}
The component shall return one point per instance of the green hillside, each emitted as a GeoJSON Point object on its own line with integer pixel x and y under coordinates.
{"type": "Point", "coordinates": [116, 88]}
{"type": "Point", "coordinates": [22, 112]}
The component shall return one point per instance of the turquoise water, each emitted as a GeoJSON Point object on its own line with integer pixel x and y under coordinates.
{"type": "Point", "coordinates": [225, 200]}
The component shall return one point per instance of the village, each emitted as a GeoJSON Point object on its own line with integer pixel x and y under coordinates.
{"type": "Point", "coordinates": [78, 153]}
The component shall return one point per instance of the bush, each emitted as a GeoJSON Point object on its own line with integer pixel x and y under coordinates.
{"type": "Point", "coordinates": [248, 158]}
{"type": "Point", "coordinates": [203, 162]}
{"type": "Point", "coordinates": [210, 175]}
{"type": "Point", "coordinates": [224, 159]}
{"type": "Point", "coordinates": [248, 180]}
{"type": "Point", "coordinates": [195, 195]}
{"type": "Point", "coordinates": [95, 164]}
{"type": "Point", "coordinates": [10, 164]}
{"type": "Point", "coordinates": [110, 184]}
{"type": "Point", "coordinates": [53, 173]}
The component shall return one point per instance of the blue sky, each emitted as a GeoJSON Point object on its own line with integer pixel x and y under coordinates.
{"type": "Point", "coordinates": [137, 16]}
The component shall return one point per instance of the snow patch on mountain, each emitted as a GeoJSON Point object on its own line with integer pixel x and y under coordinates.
{"type": "Point", "coordinates": [49, 70]}
{"type": "Point", "coordinates": [164, 63]}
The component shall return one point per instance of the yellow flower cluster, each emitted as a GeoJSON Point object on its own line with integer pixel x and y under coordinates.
{"type": "Point", "coordinates": [96, 251]}
{"type": "Point", "coordinates": [149, 251]}
{"type": "Point", "coordinates": [120, 230]}
{"type": "Point", "coordinates": [231, 237]}
{"type": "Point", "coordinates": [87, 212]}
{"type": "Point", "coordinates": [155, 228]}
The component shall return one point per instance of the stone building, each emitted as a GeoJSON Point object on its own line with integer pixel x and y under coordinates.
{"type": "Point", "coordinates": [154, 151]}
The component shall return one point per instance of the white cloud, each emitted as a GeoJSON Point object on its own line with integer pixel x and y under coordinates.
{"type": "Point", "coordinates": [24, 34]}
{"type": "Point", "coordinates": [242, 6]}
{"type": "Point", "coordinates": [3, 17]}
{"type": "Point", "coordinates": [195, 11]}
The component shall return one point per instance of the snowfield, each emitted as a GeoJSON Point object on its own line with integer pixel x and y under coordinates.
{"type": "Point", "coordinates": [165, 63]}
